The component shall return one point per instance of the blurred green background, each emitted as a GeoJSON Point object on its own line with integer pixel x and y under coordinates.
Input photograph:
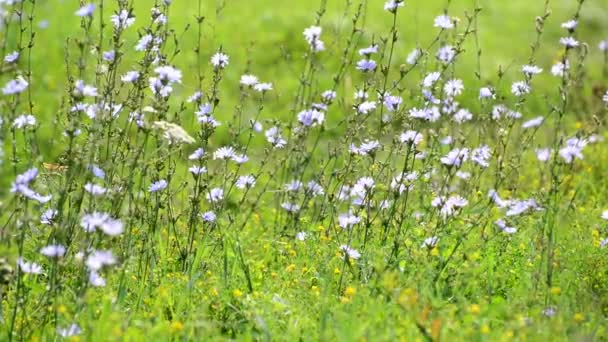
{"type": "Point", "coordinates": [268, 34]}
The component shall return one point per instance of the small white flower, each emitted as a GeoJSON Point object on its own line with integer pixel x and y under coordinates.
{"type": "Point", "coordinates": [366, 65]}
{"type": "Point", "coordinates": [293, 186]}
{"type": "Point", "coordinates": [197, 154]}
{"type": "Point", "coordinates": [505, 228]}
{"type": "Point", "coordinates": [366, 107]}
{"type": "Point", "coordinates": [569, 42]}
{"type": "Point", "coordinates": [122, 20]}
{"type": "Point", "coordinates": [404, 182]}
{"type": "Point", "coordinates": [573, 149]}
{"type": "Point", "coordinates": [47, 216]}
{"type": "Point", "coordinates": [360, 95]}
{"type": "Point", "coordinates": [26, 178]}
{"type": "Point", "coordinates": [86, 10]}
{"type": "Point", "coordinates": [456, 157]}
{"type": "Point", "coordinates": [444, 22]}
{"type": "Point", "coordinates": [450, 206]}
{"type": "Point", "coordinates": [225, 153]}
{"type": "Point", "coordinates": [247, 181]}
{"type": "Point", "coordinates": [130, 77]}
{"type": "Point", "coordinates": [94, 189]}
{"type": "Point", "coordinates": [311, 118]}
{"type": "Point", "coordinates": [314, 189]}
{"type": "Point", "coordinates": [168, 74]}
{"type": "Point", "coordinates": [328, 96]}
{"type": "Point", "coordinates": [215, 195]}
{"type": "Point", "coordinates": [240, 158]}
{"type": "Point", "coordinates": [53, 251]}
{"type": "Point", "coordinates": [520, 88]}
{"type": "Point", "coordinates": [367, 147]}
{"type": "Point", "coordinates": [392, 5]}
{"type": "Point", "coordinates": [518, 207]}
{"type": "Point", "coordinates": [369, 50]}
{"type": "Point", "coordinates": [349, 252]}
{"type": "Point", "coordinates": [559, 68]}
{"type": "Point", "coordinates": [195, 97]}
{"type": "Point", "coordinates": [410, 137]}
{"type": "Point", "coordinates": [533, 122]}
{"type": "Point", "coordinates": [197, 170]}
{"type": "Point", "coordinates": [429, 114]}
{"type": "Point", "coordinates": [453, 87]}
{"type": "Point", "coordinates": [15, 86]}
{"type": "Point", "coordinates": [144, 43]}
{"type": "Point", "coordinates": [97, 171]}
{"type": "Point", "coordinates": [262, 87]}
{"type": "Point", "coordinates": [290, 207]}
{"type": "Point", "coordinates": [249, 80]}
{"type": "Point", "coordinates": [446, 54]}
{"type": "Point", "coordinates": [463, 175]}
{"type": "Point", "coordinates": [413, 56]}
{"type": "Point", "coordinates": [570, 25]}
{"type": "Point", "coordinates": [157, 186]}
{"type": "Point", "coordinates": [312, 35]}
{"type": "Point", "coordinates": [209, 216]}
{"type": "Point", "coordinates": [514, 114]}
{"type": "Point", "coordinates": [487, 93]}
{"type": "Point", "coordinates": [348, 220]}
{"type": "Point", "coordinates": [29, 267]}
{"type": "Point", "coordinates": [543, 154]}
{"type": "Point", "coordinates": [102, 221]}
{"type": "Point", "coordinates": [530, 70]}
{"type": "Point", "coordinates": [549, 312]}
{"type": "Point", "coordinates": [481, 156]}
{"type": "Point", "coordinates": [219, 60]}
{"type": "Point", "coordinates": [70, 331]}
{"type": "Point", "coordinates": [363, 187]}
{"type": "Point", "coordinates": [274, 137]}
{"type": "Point", "coordinates": [257, 126]}
{"type": "Point", "coordinates": [392, 103]}
{"type": "Point", "coordinates": [82, 89]}
{"type": "Point", "coordinates": [25, 120]}
{"type": "Point", "coordinates": [430, 242]}
{"type": "Point", "coordinates": [109, 56]}
{"type": "Point", "coordinates": [430, 79]}
{"type": "Point", "coordinates": [463, 115]}
{"type": "Point", "coordinates": [98, 259]}
{"type": "Point", "coordinates": [96, 280]}
{"type": "Point", "coordinates": [430, 98]}
{"type": "Point", "coordinates": [11, 57]}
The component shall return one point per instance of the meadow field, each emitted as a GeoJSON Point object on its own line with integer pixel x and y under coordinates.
{"type": "Point", "coordinates": [328, 170]}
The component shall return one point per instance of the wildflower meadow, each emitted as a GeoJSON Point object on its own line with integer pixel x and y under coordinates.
{"type": "Point", "coordinates": [325, 170]}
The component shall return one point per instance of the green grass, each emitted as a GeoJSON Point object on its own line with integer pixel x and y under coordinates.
{"type": "Point", "coordinates": [269, 35]}
{"type": "Point", "coordinates": [265, 37]}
